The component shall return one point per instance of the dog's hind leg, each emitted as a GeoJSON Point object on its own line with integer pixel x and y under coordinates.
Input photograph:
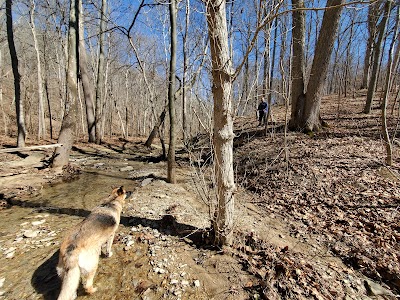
{"type": "Point", "coordinates": [88, 284]}
{"type": "Point", "coordinates": [88, 263]}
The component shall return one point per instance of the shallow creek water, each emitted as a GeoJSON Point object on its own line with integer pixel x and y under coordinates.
{"type": "Point", "coordinates": [31, 232]}
{"type": "Point", "coordinates": [83, 193]}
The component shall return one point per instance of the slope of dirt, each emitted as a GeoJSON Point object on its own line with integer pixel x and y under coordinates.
{"type": "Point", "coordinates": [333, 189]}
{"type": "Point", "coordinates": [322, 224]}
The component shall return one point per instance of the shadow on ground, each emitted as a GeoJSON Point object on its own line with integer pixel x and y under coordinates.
{"type": "Point", "coordinates": [45, 279]}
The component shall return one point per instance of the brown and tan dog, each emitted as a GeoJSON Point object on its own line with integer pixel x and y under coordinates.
{"type": "Point", "coordinates": [80, 250]}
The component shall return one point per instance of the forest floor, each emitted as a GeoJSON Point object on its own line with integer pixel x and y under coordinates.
{"type": "Point", "coordinates": [316, 217]}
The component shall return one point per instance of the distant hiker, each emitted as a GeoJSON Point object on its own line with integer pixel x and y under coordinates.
{"type": "Point", "coordinates": [262, 112]}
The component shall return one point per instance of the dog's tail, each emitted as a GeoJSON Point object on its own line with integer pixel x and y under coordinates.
{"type": "Point", "coordinates": [68, 270]}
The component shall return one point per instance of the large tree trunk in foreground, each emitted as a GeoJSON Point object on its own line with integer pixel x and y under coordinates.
{"type": "Point", "coordinates": [19, 107]}
{"type": "Point", "coordinates": [68, 126]}
{"type": "Point", "coordinates": [307, 113]}
{"type": "Point", "coordinates": [87, 86]}
{"type": "Point", "coordinates": [223, 122]}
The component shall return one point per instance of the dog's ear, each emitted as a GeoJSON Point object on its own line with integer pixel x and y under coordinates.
{"type": "Point", "coordinates": [120, 191]}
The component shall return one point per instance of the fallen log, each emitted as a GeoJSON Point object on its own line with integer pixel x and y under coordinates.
{"type": "Point", "coordinates": [30, 148]}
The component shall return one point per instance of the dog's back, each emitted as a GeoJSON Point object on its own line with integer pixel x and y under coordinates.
{"type": "Point", "coordinates": [80, 250]}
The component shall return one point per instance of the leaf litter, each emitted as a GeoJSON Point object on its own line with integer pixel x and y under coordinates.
{"type": "Point", "coordinates": [333, 190]}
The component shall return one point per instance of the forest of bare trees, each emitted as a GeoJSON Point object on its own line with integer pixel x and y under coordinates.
{"type": "Point", "coordinates": [88, 70]}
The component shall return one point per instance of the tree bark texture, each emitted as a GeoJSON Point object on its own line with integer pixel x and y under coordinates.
{"type": "Point", "coordinates": [46, 85]}
{"type": "Point", "coordinates": [319, 69]}
{"type": "Point", "coordinates": [5, 117]}
{"type": "Point", "coordinates": [388, 83]}
{"type": "Point", "coordinates": [223, 123]}
{"type": "Point", "coordinates": [156, 128]}
{"type": "Point", "coordinates": [86, 85]}
{"type": "Point", "coordinates": [100, 74]}
{"type": "Point", "coordinates": [68, 126]}
{"type": "Point", "coordinates": [19, 107]}
{"type": "Point", "coordinates": [306, 113]}
{"type": "Point", "coordinates": [373, 12]}
{"type": "Point", "coordinates": [171, 95]}
{"type": "Point", "coordinates": [376, 58]}
{"type": "Point", "coordinates": [298, 64]}
{"type": "Point", "coordinates": [185, 73]}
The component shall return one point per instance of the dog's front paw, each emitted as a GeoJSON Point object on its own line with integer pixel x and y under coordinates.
{"type": "Point", "coordinates": [90, 290]}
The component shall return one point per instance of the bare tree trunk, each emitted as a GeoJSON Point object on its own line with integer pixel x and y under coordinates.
{"type": "Point", "coordinates": [333, 81]}
{"type": "Point", "coordinates": [126, 104]}
{"type": "Point", "coordinates": [185, 71]}
{"type": "Point", "coordinates": [271, 77]}
{"type": "Point", "coordinates": [348, 64]}
{"type": "Point", "coordinates": [307, 117]}
{"type": "Point", "coordinates": [120, 119]}
{"type": "Point", "coordinates": [100, 75]}
{"type": "Point", "coordinates": [372, 19]}
{"type": "Point", "coordinates": [156, 128]}
{"type": "Point", "coordinates": [19, 106]}
{"type": "Point", "coordinates": [5, 122]}
{"type": "Point", "coordinates": [171, 95]}
{"type": "Point", "coordinates": [42, 122]}
{"type": "Point", "coordinates": [107, 96]}
{"type": "Point", "coordinates": [389, 74]}
{"type": "Point", "coordinates": [266, 60]}
{"type": "Point", "coordinates": [87, 86]}
{"type": "Point", "coordinates": [223, 122]}
{"type": "Point", "coordinates": [46, 84]}
{"type": "Point", "coordinates": [395, 67]}
{"type": "Point", "coordinates": [61, 59]}
{"type": "Point", "coordinates": [68, 126]}
{"type": "Point", "coordinates": [323, 51]}
{"type": "Point", "coordinates": [376, 57]}
{"type": "Point", "coordinates": [298, 64]}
